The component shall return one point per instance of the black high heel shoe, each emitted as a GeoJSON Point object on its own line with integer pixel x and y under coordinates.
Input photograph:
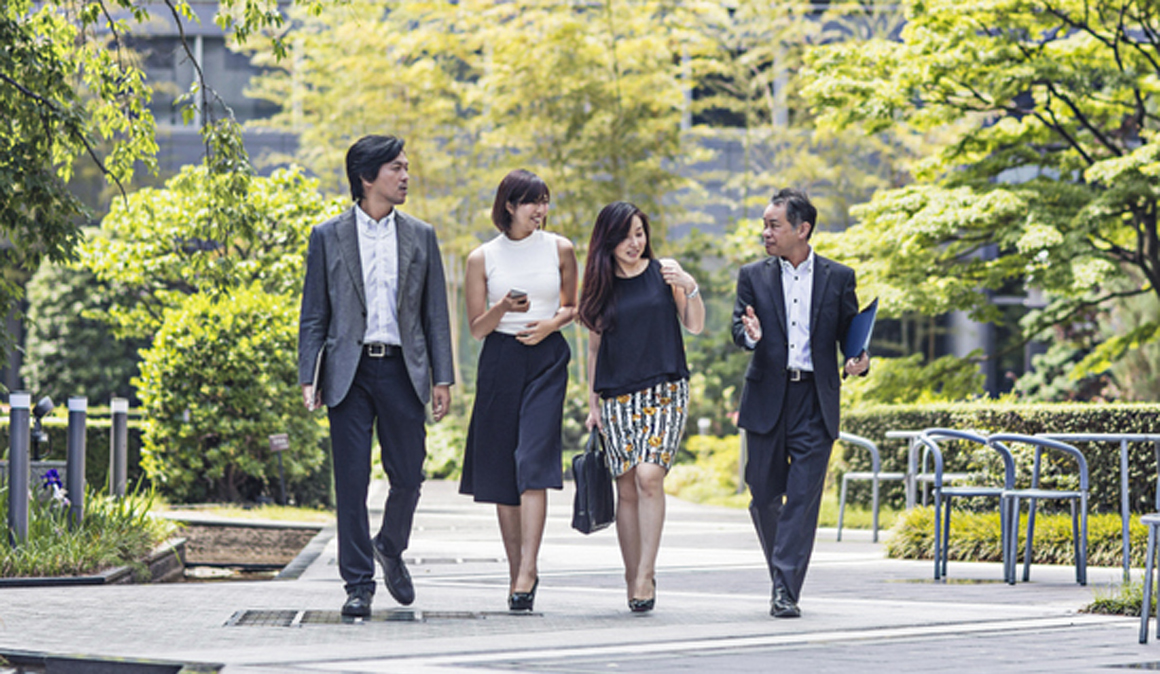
{"type": "Point", "coordinates": [523, 601]}
{"type": "Point", "coordinates": [644, 605]}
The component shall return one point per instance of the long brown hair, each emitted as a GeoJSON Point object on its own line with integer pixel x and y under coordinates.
{"type": "Point", "coordinates": [613, 225]}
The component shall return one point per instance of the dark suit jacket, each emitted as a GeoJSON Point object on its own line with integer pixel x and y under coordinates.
{"type": "Point", "coordinates": [833, 305]}
{"type": "Point", "coordinates": [334, 307]}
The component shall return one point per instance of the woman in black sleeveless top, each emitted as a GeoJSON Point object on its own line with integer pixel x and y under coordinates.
{"type": "Point", "coordinates": [634, 307]}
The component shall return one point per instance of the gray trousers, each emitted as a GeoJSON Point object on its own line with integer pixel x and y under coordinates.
{"type": "Point", "coordinates": [786, 476]}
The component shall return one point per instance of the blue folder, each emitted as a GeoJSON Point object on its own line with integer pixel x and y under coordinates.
{"type": "Point", "coordinates": [858, 337]}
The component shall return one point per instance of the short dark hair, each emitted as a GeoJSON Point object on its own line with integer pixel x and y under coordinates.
{"type": "Point", "coordinates": [798, 208]}
{"type": "Point", "coordinates": [366, 157]}
{"type": "Point", "coordinates": [517, 187]}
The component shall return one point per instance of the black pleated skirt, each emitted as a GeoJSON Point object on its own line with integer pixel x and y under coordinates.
{"type": "Point", "coordinates": [514, 442]}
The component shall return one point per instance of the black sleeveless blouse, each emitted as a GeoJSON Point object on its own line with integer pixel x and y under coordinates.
{"type": "Point", "coordinates": [644, 346]}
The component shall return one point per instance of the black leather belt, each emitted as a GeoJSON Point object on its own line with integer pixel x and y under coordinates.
{"type": "Point", "coordinates": [382, 350]}
{"type": "Point", "coordinates": [799, 375]}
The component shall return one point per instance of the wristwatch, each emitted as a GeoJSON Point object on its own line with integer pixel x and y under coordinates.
{"type": "Point", "coordinates": [696, 291]}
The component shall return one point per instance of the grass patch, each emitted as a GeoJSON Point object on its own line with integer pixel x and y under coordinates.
{"type": "Point", "coordinates": [975, 538]}
{"type": "Point", "coordinates": [115, 532]}
{"type": "Point", "coordinates": [261, 512]}
{"type": "Point", "coordinates": [1125, 599]}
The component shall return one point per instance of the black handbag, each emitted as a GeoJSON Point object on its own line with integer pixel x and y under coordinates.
{"type": "Point", "coordinates": [593, 507]}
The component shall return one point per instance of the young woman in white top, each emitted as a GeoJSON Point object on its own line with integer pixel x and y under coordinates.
{"type": "Point", "coordinates": [521, 290]}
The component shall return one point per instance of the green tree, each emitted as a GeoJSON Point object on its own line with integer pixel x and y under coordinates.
{"type": "Point", "coordinates": [1047, 175]}
{"type": "Point", "coordinates": [70, 349]}
{"type": "Point", "coordinates": [589, 95]}
{"type": "Point", "coordinates": [60, 91]}
{"type": "Point", "coordinates": [163, 244]}
{"type": "Point", "coordinates": [751, 86]}
{"type": "Point", "coordinates": [71, 88]}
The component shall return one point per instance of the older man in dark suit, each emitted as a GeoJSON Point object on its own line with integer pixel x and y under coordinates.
{"type": "Point", "coordinates": [793, 309]}
{"type": "Point", "coordinates": [373, 337]}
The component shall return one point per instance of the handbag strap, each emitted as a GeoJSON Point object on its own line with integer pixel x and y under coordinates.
{"type": "Point", "coordinates": [595, 442]}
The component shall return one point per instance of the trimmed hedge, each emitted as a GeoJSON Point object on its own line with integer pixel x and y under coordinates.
{"type": "Point", "coordinates": [98, 438]}
{"type": "Point", "coordinates": [991, 417]}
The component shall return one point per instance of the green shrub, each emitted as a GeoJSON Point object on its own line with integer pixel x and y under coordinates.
{"type": "Point", "coordinates": [975, 538]}
{"type": "Point", "coordinates": [711, 477]}
{"type": "Point", "coordinates": [445, 443]}
{"type": "Point", "coordinates": [220, 378]}
{"type": "Point", "coordinates": [114, 532]}
{"type": "Point", "coordinates": [990, 417]}
{"type": "Point", "coordinates": [903, 381]}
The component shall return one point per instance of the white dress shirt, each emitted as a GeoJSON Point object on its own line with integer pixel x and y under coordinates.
{"type": "Point", "coordinates": [378, 252]}
{"type": "Point", "coordinates": [797, 286]}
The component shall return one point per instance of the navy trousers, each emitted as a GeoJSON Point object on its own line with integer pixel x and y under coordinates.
{"type": "Point", "coordinates": [786, 474]}
{"type": "Point", "coordinates": [380, 398]}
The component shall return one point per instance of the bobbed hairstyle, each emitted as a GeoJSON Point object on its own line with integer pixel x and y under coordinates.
{"type": "Point", "coordinates": [366, 157]}
{"type": "Point", "coordinates": [613, 225]}
{"type": "Point", "coordinates": [798, 208]}
{"type": "Point", "coordinates": [516, 188]}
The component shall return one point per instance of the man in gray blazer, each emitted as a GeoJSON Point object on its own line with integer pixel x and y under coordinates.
{"type": "Point", "coordinates": [793, 309]}
{"type": "Point", "coordinates": [373, 337]}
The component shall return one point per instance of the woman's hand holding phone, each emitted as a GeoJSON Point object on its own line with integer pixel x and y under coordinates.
{"type": "Point", "coordinates": [517, 300]}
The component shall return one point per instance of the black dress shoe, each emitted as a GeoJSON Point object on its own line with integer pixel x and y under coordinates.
{"type": "Point", "coordinates": [782, 606]}
{"type": "Point", "coordinates": [358, 603]}
{"type": "Point", "coordinates": [644, 605]}
{"type": "Point", "coordinates": [523, 601]}
{"type": "Point", "coordinates": [395, 576]}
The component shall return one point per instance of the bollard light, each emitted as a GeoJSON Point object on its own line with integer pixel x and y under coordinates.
{"type": "Point", "coordinates": [119, 447]}
{"type": "Point", "coordinates": [75, 470]}
{"type": "Point", "coordinates": [18, 466]}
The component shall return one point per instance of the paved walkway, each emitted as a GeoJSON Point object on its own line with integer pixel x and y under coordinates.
{"type": "Point", "coordinates": [862, 613]}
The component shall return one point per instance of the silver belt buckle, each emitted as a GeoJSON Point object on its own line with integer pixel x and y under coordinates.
{"type": "Point", "coordinates": [795, 374]}
{"type": "Point", "coordinates": [376, 350]}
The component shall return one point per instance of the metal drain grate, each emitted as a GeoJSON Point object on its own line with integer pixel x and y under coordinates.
{"type": "Point", "coordinates": [420, 561]}
{"type": "Point", "coordinates": [262, 618]}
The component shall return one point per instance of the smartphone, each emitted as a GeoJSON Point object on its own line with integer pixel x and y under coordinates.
{"type": "Point", "coordinates": [517, 294]}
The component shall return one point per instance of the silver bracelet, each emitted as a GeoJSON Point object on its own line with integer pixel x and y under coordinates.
{"type": "Point", "coordinates": [696, 291]}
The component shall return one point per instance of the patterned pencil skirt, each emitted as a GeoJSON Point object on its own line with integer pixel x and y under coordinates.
{"type": "Point", "coordinates": [646, 426]}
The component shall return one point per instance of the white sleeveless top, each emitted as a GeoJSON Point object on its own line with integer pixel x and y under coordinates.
{"type": "Point", "coordinates": [531, 264]}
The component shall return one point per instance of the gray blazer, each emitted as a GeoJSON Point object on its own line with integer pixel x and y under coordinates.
{"type": "Point", "coordinates": [334, 307]}
{"type": "Point", "coordinates": [834, 305]}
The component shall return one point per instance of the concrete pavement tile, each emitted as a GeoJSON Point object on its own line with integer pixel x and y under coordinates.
{"type": "Point", "coordinates": [862, 612]}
